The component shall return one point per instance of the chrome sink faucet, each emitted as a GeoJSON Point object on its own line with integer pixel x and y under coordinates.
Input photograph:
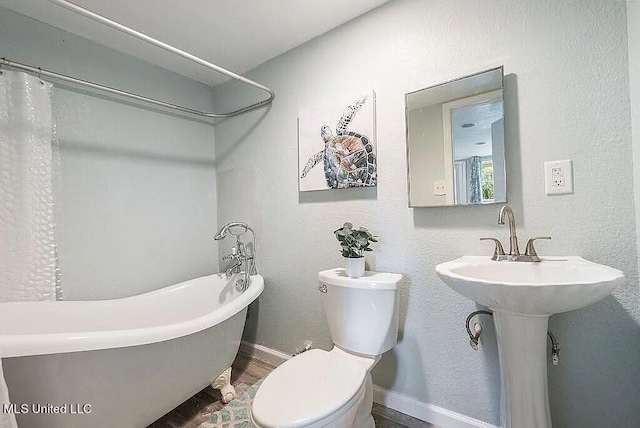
{"type": "Point", "coordinates": [514, 255]}
{"type": "Point", "coordinates": [513, 239]}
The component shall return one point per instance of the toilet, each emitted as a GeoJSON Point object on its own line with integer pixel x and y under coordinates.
{"type": "Point", "coordinates": [333, 388]}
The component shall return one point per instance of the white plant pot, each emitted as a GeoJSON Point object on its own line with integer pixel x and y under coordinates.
{"type": "Point", "coordinates": [354, 266]}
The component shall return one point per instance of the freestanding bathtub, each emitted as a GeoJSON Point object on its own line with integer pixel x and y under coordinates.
{"type": "Point", "coordinates": [121, 363]}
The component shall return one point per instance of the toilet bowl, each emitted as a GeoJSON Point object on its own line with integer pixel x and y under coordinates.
{"type": "Point", "coordinates": [333, 388]}
{"type": "Point", "coordinates": [315, 389]}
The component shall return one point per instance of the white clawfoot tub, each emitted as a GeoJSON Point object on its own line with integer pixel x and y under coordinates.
{"type": "Point", "coordinates": [121, 363]}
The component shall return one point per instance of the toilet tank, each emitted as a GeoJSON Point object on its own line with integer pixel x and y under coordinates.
{"type": "Point", "coordinates": [362, 313]}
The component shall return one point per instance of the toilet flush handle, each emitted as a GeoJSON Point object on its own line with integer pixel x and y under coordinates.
{"type": "Point", "coordinates": [322, 288]}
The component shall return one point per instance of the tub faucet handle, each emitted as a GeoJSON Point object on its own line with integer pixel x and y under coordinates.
{"type": "Point", "coordinates": [233, 256]}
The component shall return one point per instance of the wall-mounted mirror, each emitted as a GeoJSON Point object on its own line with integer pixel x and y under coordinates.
{"type": "Point", "coordinates": [455, 142]}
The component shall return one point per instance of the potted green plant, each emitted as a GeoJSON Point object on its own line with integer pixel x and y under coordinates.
{"type": "Point", "coordinates": [354, 243]}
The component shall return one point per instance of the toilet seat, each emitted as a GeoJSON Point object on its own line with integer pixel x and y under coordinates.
{"type": "Point", "coordinates": [314, 386]}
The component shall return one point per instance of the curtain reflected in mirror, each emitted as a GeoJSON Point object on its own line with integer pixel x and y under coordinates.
{"type": "Point", "coordinates": [455, 142]}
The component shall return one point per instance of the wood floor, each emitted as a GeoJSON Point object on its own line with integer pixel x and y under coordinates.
{"type": "Point", "coordinates": [244, 373]}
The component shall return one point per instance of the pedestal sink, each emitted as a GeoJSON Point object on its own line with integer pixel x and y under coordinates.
{"type": "Point", "coordinates": [522, 296]}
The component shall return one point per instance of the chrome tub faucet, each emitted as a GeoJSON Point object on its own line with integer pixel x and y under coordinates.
{"type": "Point", "coordinates": [236, 265]}
{"type": "Point", "coordinates": [241, 253]}
{"type": "Point", "coordinates": [514, 255]}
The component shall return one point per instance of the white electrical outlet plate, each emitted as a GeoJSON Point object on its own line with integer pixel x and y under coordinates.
{"type": "Point", "coordinates": [558, 177]}
{"type": "Point", "coordinates": [439, 188]}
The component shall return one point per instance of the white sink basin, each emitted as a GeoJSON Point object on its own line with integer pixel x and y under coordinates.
{"type": "Point", "coordinates": [522, 296]}
{"type": "Point", "coordinates": [554, 285]}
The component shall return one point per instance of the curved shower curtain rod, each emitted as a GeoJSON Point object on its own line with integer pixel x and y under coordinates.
{"type": "Point", "coordinates": [138, 35]}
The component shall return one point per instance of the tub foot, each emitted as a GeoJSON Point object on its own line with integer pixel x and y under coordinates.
{"type": "Point", "coordinates": [223, 383]}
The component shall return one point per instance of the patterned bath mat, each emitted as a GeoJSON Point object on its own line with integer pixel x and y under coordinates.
{"type": "Point", "coordinates": [236, 413]}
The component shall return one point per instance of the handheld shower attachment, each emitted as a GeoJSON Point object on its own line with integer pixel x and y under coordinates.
{"type": "Point", "coordinates": [222, 233]}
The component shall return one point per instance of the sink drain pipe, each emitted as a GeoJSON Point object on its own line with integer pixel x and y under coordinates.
{"type": "Point", "coordinates": [555, 349]}
{"type": "Point", "coordinates": [474, 337]}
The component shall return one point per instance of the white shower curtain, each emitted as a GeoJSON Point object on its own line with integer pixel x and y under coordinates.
{"type": "Point", "coordinates": [27, 240]}
{"type": "Point", "coordinates": [474, 186]}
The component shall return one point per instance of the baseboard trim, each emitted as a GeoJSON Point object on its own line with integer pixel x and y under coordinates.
{"type": "Point", "coordinates": [394, 400]}
{"type": "Point", "coordinates": [270, 356]}
{"type": "Point", "coordinates": [425, 411]}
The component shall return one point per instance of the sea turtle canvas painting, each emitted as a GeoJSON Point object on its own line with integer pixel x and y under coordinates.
{"type": "Point", "coordinates": [337, 145]}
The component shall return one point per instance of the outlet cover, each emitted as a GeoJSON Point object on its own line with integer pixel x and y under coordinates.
{"type": "Point", "coordinates": [558, 177]}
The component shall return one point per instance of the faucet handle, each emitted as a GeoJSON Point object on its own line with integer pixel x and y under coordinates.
{"type": "Point", "coordinates": [498, 250]}
{"type": "Point", "coordinates": [233, 256]}
{"type": "Point", "coordinates": [531, 250]}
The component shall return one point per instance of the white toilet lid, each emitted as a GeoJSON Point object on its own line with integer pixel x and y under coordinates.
{"type": "Point", "coordinates": [307, 388]}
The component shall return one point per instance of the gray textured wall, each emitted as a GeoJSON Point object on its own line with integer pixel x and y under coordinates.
{"type": "Point", "coordinates": [633, 27]}
{"type": "Point", "coordinates": [567, 89]}
{"type": "Point", "coordinates": [137, 207]}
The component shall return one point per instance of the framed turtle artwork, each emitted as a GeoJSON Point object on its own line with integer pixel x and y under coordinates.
{"type": "Point", "coordinates": [336, 145]}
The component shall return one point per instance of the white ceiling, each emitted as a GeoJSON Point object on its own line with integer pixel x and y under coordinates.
{"type": "Point", "coordinates": [234, 34]}
{"type": "Point", "coordinates": [466, 139]}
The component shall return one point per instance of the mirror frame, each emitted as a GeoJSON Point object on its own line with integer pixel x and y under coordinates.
{"type": "Point", "coordinates": [450, 156]}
